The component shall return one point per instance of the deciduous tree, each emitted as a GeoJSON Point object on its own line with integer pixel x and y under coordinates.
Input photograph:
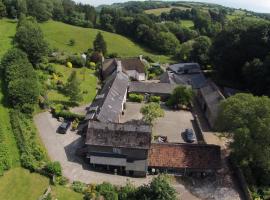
{"type": "Point", "coordinates": [151, 112]}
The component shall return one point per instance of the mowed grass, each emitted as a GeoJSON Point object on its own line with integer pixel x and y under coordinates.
{"type": "Point", "coordinates": [158, 11]}
{"type": "Point", "coordinates": [5, 125]}
{"type": "Point", "coordinates": [20, 184]}
{"type": "Point", "coordinates": [63, 193]}
{"type": "Point", "coordinates": [88, 84]}
{"type": "Point", "coordinates": [58, 35]}
{"type": "Point", "coordinates": [7, 31]}
{"type": "Point", "coordinates": [187, 23]}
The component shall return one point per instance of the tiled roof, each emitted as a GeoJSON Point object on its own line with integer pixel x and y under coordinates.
{"type": "Point", "coordinates": [180, 156]}
{"type": "Point", "coordinates": [128, 135]}
{"type": "Point", "coordinates": [151, 88]}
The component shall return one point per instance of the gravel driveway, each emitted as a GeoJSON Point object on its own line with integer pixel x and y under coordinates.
{"type": "Point", "coordinates": [62, 148]}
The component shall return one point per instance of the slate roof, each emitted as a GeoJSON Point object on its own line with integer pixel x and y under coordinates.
{"type": "Point", "coordinates": [108, 103]}
{"type": "Point", "coordinates": [128, 135]}
{"type": "Point", "coordinates": [151, 88]}
{"type": "Point", "coordinates": [185, 68]}
{"type": "Point", "coordinates": [196, 80]}
{"type": "Point", "coordinates": [110, 65]}
{"type": "Point", "coordinates": [212, 96]}
{"type": "Point", "coordinates": [180, 156]}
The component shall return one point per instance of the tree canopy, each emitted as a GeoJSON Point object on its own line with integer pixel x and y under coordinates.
{"type": "Point", "coordinates": [151, 112]}
{"type": "Point", "coordinates": [181, 95]}
{"type": "Point", "coordinates": [72, 88]}
{"type": "Point", "coordinates": [100, 44]}
{"type": "Point", "coordinates": [20, 78]}
{"type": "Point", "coordinates": [30, 39]}
{"type": "Point", "coordinates": [247, 117]}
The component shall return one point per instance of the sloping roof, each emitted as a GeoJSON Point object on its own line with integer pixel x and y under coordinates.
{"type": "Point", "coordinates": [108, 103]}
{"type": "Point", "coordinates": [151, 88]}
{"type": "Point", "coordinates": [180, 156]}
{"type": "Point", "coordinates": [212, 96]}
{"type": "Point", "coordinates": [132, 64]}
{"type": "Point", "coordinates": [126, 135]}
{"type": "Point", "coordinates": [110, 65]}
{"type": "Point", "coordinates": [196, 80]}
{"type": "Point", "coordinates": [184, 68]}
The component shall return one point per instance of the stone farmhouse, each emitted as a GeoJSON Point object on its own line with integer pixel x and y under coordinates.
{"type": "Point", "coordinates": [132, 67]}
{"type": "Point", "coordinates": [128, 147]}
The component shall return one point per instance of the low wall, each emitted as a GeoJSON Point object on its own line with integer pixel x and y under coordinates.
{"type": "Point", "coordinates": [241, 180]}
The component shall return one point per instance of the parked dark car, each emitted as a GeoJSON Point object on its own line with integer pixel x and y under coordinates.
{"type": "Point", "coordinates": [190, 137]}
{"type": "Point", "coordinates": [64, 127]}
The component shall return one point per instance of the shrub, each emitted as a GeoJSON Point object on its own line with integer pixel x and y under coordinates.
{"type": "Point", "coordinates": [136, 98]}
{"type": "Point", "coordinates": [71, 42]}
{"type": "Point", "coordinates": [151, 76]}
{"type": "Point", "coordinates": [108, 191]}
{"type": "Point", "coordinates": [69, 64]}
{"type": "Point", "coordinates": [76, 60]}
{"type": "Point", "coordinates": [92, 65]}
{"type": "Point", "coordinates": [155, 99]}
{"type": "Point", "coordinates": [51, 69]}
{"type": "Point", "coordinates": [27, 108]}
{"type": "Point", "coordinates": [61, 180]}
{"type": "Point", "coordinates": [79, 187]}
{"type": "Point", "coordinates": [54, 168]}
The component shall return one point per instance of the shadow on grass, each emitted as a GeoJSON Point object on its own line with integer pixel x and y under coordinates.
{"type": "Point", "coordinates": [65, 103]}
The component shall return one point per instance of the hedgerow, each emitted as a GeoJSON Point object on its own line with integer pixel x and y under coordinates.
{"type": "Point", "coordinates": [5, 162]}
{"type": "Point", "coordinates": [32, 155]}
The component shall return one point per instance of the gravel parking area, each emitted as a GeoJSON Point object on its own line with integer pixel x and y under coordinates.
{"type": "Point", "coordinates": [172, 125]}
{"type": "Point", "coordinates": [62, 148]}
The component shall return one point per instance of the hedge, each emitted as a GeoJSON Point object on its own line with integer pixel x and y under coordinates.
{"type": "Point", "coordinates": [32, 154]}
{"type": "Point", "coordinates": [155, 99]}
{"type": "Point", "coordinates": [66, 114]}
{"type": "Point", "coordinates": [136, 98]}
{"type": "Point", "coordinates": [5, 162]}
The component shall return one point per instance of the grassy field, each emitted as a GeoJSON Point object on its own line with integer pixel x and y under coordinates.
{"type": "Point", "coordinates": [158, 11]}
{"type": "Point", "coordinates": [187, 23]}
{"type": "Point", "coordinates": [63, 193]}
{"type": "Point", "coordinates": [58, 35]}
{"type": "Point", "coordinates": [20, 184]}
{"type": "Point", "coordinates": [88, 84]}
{"type": "Point", "coordinates": [10, 141]}
{"type": "Point", "coordinates": [7, 30]}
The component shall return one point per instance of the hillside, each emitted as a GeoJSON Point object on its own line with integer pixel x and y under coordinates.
{"type": "Point", "coordinates": [58, 35]}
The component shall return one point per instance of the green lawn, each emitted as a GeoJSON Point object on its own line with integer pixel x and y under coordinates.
{"type": "Point", "coordinates": [20, 184]}
{"type": "Point", "coordinates": [58, 35]}
{"type": "Point", "coordinates": [63, 193]}
{"type": "Point", "coordinates": [9, 138]}
{"type": "Point", "coordinates": [187, 23]}
{"type": "Point", "coordinates": [88, 84]}
{"type": "Point", "coordinates": [158, 11]}
{"type": "Point", "coordinates": [7, 30]}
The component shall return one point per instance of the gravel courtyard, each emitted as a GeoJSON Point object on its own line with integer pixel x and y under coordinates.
{"type": "Point", "coordinates": [172, 125]}
{"type": "Point", "coordinates": [62, 148]}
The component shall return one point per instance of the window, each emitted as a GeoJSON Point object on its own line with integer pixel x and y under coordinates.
{"type": "Point", "coordinates": [117, 150]}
